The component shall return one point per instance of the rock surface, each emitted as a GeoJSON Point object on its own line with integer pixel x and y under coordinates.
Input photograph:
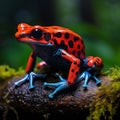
{"type": "Point", "coordinates": [35, 104]}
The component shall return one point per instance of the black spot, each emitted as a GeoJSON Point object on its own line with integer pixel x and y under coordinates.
{"type": "Point", "coordinates": [63, 45]}
{"type": "Point", "coordinates": [76, 39]}
{"type": "Point", "coordinates": [75, 62]}
{"type": "Point", "coordinates": [73, 52]}
{"type": "Point", "coordinates": [72, 70]}
{"type": "Point", "coordinates": [67, 35]}
{"type": "Point", "coordinates": [47, 36]}
{"type": "Point", "coordinates": [62, 42]}
{"type": "Point", "coordinates": [76, 73]}
{"type": "Point", "coordinates": [78, 46]}
{"type": "Point", "coordinates": [59, 34]}
{"type": "Point", "coordinates": [71, 44]}
{"type": "Point", "coordinates": [55, 42]}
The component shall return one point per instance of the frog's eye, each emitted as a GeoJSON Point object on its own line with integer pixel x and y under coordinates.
{"type": "Point", "coordinates": [36, 33]}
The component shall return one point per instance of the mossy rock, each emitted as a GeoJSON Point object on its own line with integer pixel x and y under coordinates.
{"type": "Point", "coordinates": [95, 103]}
{"type": "Point", "coordinates": [73, 103]}
{"type": "Point", "coordinates": [107, 100]}
{"type": "Point", "coordinates": [7, 72]}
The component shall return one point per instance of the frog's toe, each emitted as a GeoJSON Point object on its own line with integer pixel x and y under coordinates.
{"type": "Point", "coordinates": [85, 86]}
{"type": "Point", "coordinates": [31, 87]}
{"type": "Point", "coordinates": [51, 96]}
{"type": "Point", "coordinates": [45, 84]}
{"type": "Point", "coordinates": [16, 84]}
{"type": "Point", "coordinates": [60, 77]}
{"type": "Point", "coordinates": [98, 82]}
{"type": "Point", "coordinates": [86, 76]}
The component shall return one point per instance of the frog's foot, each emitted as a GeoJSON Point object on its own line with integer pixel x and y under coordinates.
{"type": "Point", "coordinates": [86, 76]}
{"type": "Point", "coordinates": [59, 86]}
{"type": "Point", "coordinates": [98, 82]}
{"type": "Point", "coordinates": [29, 77]}
{"type": "Point", "coordinates": [61, 79]}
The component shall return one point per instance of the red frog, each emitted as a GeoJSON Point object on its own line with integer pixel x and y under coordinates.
{"type": "Point", "coordinates": [61, 49]}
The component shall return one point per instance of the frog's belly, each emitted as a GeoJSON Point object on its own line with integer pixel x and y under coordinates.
{"type": "Point", "coordinates": [59, 63]}
{"type": "Point", "coordinates": [48, 55]}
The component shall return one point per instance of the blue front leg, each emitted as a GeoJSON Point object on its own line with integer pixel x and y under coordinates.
{"type": "Point", "coordinates": [18, 83]}
{"type": "Point", "coordinates": [29, 77]}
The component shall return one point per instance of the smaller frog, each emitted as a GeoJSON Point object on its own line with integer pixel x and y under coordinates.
{"type": "Point", "coordinates": [59, 48]}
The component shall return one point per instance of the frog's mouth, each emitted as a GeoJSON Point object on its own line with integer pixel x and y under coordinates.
{"type": "Point", "coordinates": [27, 39]}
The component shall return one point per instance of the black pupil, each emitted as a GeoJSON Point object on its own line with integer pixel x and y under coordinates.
{"type": "Point", "coordinates": [36, 33]}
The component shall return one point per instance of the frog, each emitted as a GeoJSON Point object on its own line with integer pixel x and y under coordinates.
{"type": "Point", "coordinates": [59, 48]}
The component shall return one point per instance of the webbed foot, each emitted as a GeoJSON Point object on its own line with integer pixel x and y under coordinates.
{"type": "Point", "coordinates": [29, 77]}
{"type": "Point", "coordinates": [59, 86]}
{"type": "Point", "coordinates": [86, 76]}
{"type": "Point", "coordinates": [51, 96]}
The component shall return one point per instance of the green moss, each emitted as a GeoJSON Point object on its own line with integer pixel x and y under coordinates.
{"type": "Point", "coordinates": [106, 102]}
{"type": "Point", "coordinates": [8, 72]}
{"type": "Point", "coordinates": [114, 73]}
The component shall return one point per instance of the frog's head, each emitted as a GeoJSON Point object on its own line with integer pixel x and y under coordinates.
{"type": "Point", "coordinates": [33, 34]}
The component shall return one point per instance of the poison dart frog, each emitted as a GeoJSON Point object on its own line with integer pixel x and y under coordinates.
{"type": "Point", "coordinates": [59, 48]}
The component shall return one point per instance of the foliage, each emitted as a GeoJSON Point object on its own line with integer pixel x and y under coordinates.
{"type": "Point", "coordinates": [101, 38]}
{"type": "Point", "coordinates": [8, 72]}
{"type": "Point", "coordinates": [106, 102]}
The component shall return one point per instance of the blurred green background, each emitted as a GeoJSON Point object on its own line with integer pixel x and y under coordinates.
{"type": "Point", "coordinates": [97, 21]}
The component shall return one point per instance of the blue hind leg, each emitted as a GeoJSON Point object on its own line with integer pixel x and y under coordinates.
{"type": "Point", "coordinates": [58, 89]}
{"type": "Point", "coordinates": [62, 81]}
{"type": "Point", "coordinates": [96, 80]}
{"type": "Point", "coordinates": [53, 84]}
{"type": "Point", "coordinates": [59, 86]}
{"type": "Point", "coordinates": [86, 76]}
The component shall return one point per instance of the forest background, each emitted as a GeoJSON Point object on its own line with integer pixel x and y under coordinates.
{"type": "Point", "coordinates": [97, 21]}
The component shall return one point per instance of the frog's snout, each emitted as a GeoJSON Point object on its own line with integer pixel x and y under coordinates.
{"type": "Point", "coordinates": [22, 27]}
